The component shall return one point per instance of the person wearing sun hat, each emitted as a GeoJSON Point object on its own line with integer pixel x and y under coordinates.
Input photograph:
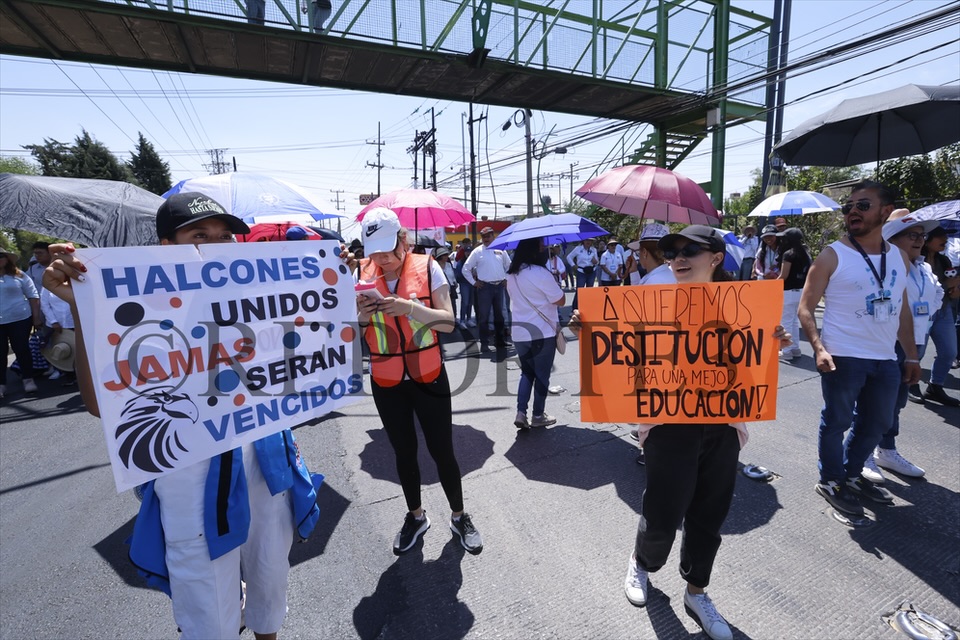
{"type": "Point", "coordinates": [408, 379]}
{"type": "Point", "coordinates": [923, 294]}
{"type": "Point", "coordinates": [611, 265]}
{"type": "Point", "coordinates": [650, 255]}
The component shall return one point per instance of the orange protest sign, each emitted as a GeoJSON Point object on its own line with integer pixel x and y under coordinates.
{"type": "Point", "coordinates": [661, 354]}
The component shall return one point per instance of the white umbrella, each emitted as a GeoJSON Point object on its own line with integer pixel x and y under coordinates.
{"type": "Point", "coordinates": [794, 203]}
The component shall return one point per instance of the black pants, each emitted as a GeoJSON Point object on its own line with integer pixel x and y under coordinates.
{"type": "Point", "coordinates": [17, 333]}
{"type": "Point", "coordinates": [691, 472]}
{"type": "Point", "coordinates": [432, 405]}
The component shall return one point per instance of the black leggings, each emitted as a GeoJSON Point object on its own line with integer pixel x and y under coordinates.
{"type": "Point", "coordinates": [17, 333]}
{"type": "Point", "coordinates": [432, 405]}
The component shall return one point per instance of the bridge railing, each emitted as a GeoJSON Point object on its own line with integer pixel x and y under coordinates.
{"type": "Point", "coordinates": [557, 35]}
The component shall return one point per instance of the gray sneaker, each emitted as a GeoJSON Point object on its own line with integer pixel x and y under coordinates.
{"type": "Point", "coordinates": [468, 534]}
{"type": "Point", "coordinates": [544, 420]}
{"type": "Point", "coordinates": [410, 532]}
{"type": "Point", "coordinates": [520, 422]}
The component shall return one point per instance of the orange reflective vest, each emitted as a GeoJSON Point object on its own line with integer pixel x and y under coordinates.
{"type": "Point", "coordinates": [402, 346]}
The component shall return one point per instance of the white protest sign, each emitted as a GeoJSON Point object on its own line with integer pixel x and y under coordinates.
{"type": "Point", "coordinates": [196, 350]}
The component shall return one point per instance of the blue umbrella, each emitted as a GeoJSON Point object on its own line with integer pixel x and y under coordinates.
{"type": "Point", "coordinates": [794, 203]}
{"type": "Point", "coordinates": [735, 251]}
{"type": "Point", "coordinates": [553, 228]}
{"type": "Point", "coordinates": [949, 210]}
{"type": "Point", "coordinates": [257, 198]}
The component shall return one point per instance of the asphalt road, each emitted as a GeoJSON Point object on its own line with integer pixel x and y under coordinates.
{"type": "Point", "coordinates": [557, 509]}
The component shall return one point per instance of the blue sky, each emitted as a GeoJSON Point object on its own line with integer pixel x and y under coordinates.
{"type": "Point", "coordinates": [318, 137]}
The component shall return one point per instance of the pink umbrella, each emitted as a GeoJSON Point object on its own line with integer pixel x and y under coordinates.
{"type": "Point", "coordinates": [421, 209]}
{"type": "Point", "coordinates": [651, 192]}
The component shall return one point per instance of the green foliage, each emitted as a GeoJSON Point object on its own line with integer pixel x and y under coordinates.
{"type": "Point", "coordinates": [149, 169]}
{"type": "Point", "coordinates": [18, 165]}
{"type": "Point", "coordinates": [86, 158]}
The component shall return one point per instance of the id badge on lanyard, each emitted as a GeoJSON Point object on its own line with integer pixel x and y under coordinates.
{"type": "Point", "coordinates": [882, 310]}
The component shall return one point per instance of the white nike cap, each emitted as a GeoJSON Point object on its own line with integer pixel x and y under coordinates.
{"type": "Point", "coordinates": [380, 229]}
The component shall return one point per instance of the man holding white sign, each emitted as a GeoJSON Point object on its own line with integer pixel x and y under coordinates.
{"type": "Point", "coordinates": [225, 485]}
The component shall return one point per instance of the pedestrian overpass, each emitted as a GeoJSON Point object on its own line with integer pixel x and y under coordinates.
{"type": "Point", "coordinates": [662, 62]}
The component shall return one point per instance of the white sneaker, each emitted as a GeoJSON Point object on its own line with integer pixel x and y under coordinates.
{"type": "Point", "coordinates": [55, 375]}
{"type": "Point", "coordinates": [701, 609]}
{"type": "Point", "coordinates": [635, 584]}
{"type": "Point", "coordinates": [29, 386]}
{"type": "Point", "coordinates": [871, 472]}
{"type": "Point", "coordinates": [892, 460]}
{"type": "Point", "coordinates": [471, 323]}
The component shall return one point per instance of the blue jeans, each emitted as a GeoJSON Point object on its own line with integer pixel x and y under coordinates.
{"type": "Point", "coordinates": [466, 299]}
{"type": "Point", "coordinates": [870, 387]}
{"type": "Point", "coordinates": [889, 439]}
{"type": "Point", "coordinates": [943, 332]}
{"type": "Point", "coordinates": [585, 278]}
{"type": "Point", "coordinates": [536, 361]}
{"type": "Point", "coordinates": [490, 298]}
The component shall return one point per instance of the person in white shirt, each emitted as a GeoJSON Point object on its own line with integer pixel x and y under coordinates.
{"type": "Point", "coordinates": [556, 266]}
{"type": "Point", "coordinates": [651, 256]}
{"type": "Point", "coordinates": [533, 296]}
{"type": "Point", "coordinates": [486, 270]}
{"type": "Point", "coordinates": [584, 260]}
{"type": "Point", "coordinates": [611, 265]}
{"type": "Point", "coordinates": [751, 244]}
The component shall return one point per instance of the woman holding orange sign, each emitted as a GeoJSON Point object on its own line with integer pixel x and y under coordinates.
{"type": "Point", "coordinates": [691, 468]}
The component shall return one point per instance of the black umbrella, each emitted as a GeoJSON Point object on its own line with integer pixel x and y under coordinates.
{"type": "Point", "coordinates": [901, 122]}
{"type": "Point", "coordinates": [95, 213]}
{"type": "Point", "coordinates": [424, 240]}
{"type": "Point", "coordinates": [328, 234]}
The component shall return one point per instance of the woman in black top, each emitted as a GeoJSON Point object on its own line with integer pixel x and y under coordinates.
{"type": "Point", "coordinates": [794, 263]}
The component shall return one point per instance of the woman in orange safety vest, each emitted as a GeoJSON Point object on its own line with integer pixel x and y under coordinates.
{"type": "Point", "coordinates": [403, 301]}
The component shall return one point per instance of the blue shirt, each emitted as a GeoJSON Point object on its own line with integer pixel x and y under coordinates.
{"type": "Point", "coordinates": [14, 293]}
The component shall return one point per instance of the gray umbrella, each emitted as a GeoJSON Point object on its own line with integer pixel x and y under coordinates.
{"type": "Point", "coordinates": [901, 122]}
{"type": "Point", "coordinates": [95, 213]}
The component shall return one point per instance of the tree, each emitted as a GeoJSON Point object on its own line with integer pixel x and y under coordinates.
{"type": "Point", "coordinates": [86, 158]}
{"type": "Point", "coordinates": [149, 170]}
{"type": "Point", "coordinates": [923, 180]}
{"type": "Point", "coordinates": [17, 165]}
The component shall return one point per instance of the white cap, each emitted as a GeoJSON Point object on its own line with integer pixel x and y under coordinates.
{"type": "Point", "coordinates": [653, 231]}
{"type": "Point", "coordinates": [893, 227]}
{"type": "Point", "coordinates": [380, 229]}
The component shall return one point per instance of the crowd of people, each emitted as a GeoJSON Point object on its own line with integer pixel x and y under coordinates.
{"type": "Point", "coordinates": [885, 289]}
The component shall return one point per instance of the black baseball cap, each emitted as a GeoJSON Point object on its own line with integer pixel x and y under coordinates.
{"type": "Point", "coordinates": [182, 209]}
{"type": "Point", "coordinates": [699, 233]}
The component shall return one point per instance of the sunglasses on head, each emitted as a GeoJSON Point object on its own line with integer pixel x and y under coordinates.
{"type": "Point", "coordinates": [688, 251]}
{"type": "Point", "coordinates": [861, 205]}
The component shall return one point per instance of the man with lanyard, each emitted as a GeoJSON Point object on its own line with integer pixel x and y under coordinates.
{"type": "Point", "coordinates": [862, 280]}
{"type": "Point", "coordinates": [486, 270]}
{"type": "Point", "coordinates": [204, 526]}
{"type": "Point", "coordinates": [584, 260]}
{"type": "Point", "coordinates": [611, 265]}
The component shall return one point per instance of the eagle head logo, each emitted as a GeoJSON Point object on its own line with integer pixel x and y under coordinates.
{"type": "Point", "coordinates": [147, 433]}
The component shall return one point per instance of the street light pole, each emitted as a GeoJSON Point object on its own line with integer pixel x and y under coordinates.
{"type": "Point", "coordinates": [526, 114]}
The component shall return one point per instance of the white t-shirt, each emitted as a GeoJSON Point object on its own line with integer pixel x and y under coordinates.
{"type": "Point", "coordinates": [660, 275]}
{"type": "Point", "coordinates": [532, 288]}
{"type": "Point", "coordinates": [611, 261]}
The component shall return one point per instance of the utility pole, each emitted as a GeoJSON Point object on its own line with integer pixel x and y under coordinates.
{"type": "Point", "coordinates": [378, 165]}
{"type": "Point", "coordinates": [415, 149]}
{"type": "Point", "coordinates": [217, 164]}
{"type": "Point", "coordinates": [433, 147]}
{"type": "Point", "coordinates": [572, 165]}
{"type": "Point", "coordinates": [337, 193]}
{"type": "Point", "coordinates": [473, 171]}
{"type": "Point", "coordinates": [463, 156]}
